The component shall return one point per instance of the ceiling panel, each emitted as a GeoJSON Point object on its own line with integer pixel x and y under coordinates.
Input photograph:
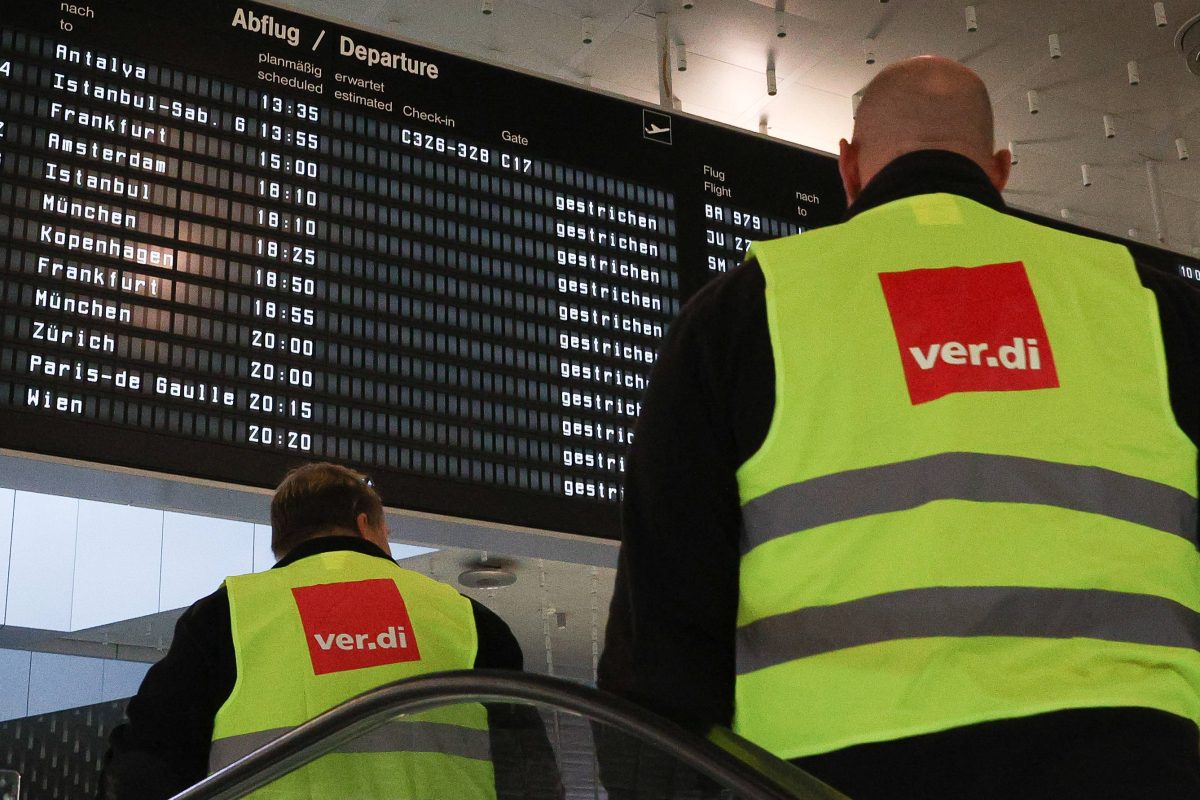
{"type": "Point", "coordinates": [821, 63]}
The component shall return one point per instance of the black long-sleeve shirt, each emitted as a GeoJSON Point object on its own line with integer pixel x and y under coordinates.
{"type": "Point", "coordinates": [708, 407]}
{"type": "Point", "coordinates": [164, 747]}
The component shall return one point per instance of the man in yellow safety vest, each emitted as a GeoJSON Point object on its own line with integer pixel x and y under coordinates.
{"type": "Point", "coordinates": [912, 500]}
{"type": "Point", "coordinates": [335, 617]}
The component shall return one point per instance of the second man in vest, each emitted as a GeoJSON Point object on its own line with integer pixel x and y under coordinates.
{"type": "Point", "coordinates": [335, 617]}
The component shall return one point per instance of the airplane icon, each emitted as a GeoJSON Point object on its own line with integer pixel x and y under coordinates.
{"type": "Point", "coordinates": [656, 127]}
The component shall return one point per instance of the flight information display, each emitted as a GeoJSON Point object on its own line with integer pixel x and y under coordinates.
{"type": "Point", "coordinates": [234, 238]}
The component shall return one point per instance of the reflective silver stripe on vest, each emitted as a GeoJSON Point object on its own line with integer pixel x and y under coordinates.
{"type": "Point", "coordinates": [392, 737]}
{"type": "Point", "coordinates": [965, 476]}
{"type": "Point", "coordinates": [967, 611]}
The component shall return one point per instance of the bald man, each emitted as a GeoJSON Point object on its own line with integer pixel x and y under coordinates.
{"type": "Point", "coordinates": [912, 500]}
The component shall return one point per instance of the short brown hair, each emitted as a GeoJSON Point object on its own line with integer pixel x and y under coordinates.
{"type": "Point", "coordinates": [318, 498]}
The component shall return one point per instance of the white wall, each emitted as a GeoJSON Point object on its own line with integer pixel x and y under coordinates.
{"type": "Point", "coordinates": [39, 683]}
{"type": "Point", "coordinates": [6, 518]}
{"type": "Point", "coordinates": [68, 565]}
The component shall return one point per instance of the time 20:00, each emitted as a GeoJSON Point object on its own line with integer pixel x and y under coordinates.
{"type": "Point", "coordinates": [270, 340]}
{"type": "Point", "coordinates": [292, 376]}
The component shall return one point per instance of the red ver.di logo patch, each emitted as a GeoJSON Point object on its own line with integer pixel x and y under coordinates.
{"type": "Point", "coordinates": [355, 625]}
{"type": "Point", "coordinates": [968, 329]}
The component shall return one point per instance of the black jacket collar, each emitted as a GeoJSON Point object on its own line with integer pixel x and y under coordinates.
{"type": "Point", "coordinates": [328, 544]}
{"type": "Point", "coordinates": [928, 172]}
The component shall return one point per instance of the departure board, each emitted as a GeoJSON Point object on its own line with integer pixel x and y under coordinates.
{"type": "Point", "coordinates": [234, 238]}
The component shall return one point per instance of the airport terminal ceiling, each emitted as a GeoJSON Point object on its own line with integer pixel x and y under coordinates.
{"type": "Point", "coordinates": [726, 46]}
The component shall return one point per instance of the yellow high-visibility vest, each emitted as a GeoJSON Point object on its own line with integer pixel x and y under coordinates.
{"type": "Point", "coordinates": [974, 501]}
{"type": "Point", "coordinates": [328, 627]}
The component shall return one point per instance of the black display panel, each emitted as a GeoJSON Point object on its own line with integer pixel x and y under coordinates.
{"type": "Point", "coordinates": [233, 238]}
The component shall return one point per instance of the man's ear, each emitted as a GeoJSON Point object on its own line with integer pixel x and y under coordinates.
{"type": "Point", "coordinates": [377, 536]}
{"type": "Point", "coordinates": [849, 168]}
{"type": "Point", "coordinates": [1001, 169]}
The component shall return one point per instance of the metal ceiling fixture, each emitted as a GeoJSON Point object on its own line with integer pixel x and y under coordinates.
{"type": "Point", "coordinates": [484, 575]}
{"type": "Point", "coordinates": [487, 578]}
{"type": "Point", "coordinates": [1187, 41]}
{"type": "Point", "coordinates": [1156, 201]}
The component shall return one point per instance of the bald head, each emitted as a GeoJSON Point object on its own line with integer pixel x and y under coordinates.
{"type": "Point", "coordinates": [924, 103]}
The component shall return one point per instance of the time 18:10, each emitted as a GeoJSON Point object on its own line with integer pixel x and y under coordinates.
{"type": "Point", "coordinates": [274, 190]}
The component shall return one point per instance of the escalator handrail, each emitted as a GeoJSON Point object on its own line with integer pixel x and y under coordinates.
{"type": "Point", "coordinates": [357, 715]}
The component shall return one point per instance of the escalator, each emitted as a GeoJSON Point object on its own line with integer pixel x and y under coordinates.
{"type": "Point", "coordinates": [550, 740]}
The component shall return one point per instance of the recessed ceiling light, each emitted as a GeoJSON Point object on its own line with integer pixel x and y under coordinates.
{"type": "Point", "coordinates": [487, 578]}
